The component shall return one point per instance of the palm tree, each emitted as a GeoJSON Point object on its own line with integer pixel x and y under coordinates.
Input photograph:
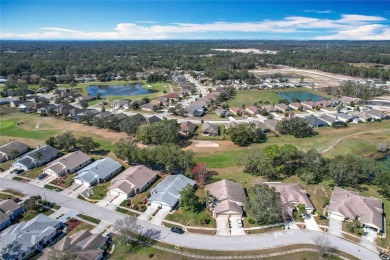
{"type": "Point", "coordinates": [37, 156]}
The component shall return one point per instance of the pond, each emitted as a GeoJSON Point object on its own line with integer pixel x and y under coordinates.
{"type": "Point", "coordinates": [301, 95]}
{"type": "Point", "coordinates": [119, 90]}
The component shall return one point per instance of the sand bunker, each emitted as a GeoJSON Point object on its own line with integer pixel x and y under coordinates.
{"type": "Point", "coordinates": [205, 144]}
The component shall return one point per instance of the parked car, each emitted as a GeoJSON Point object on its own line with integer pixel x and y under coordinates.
{"type": "Point", "coordinates": [17, 171]}
{"type": "Point", "coordinates": [177, 230]}
{"type": "Point", "coordinates": [42, 176]}
{"type": "Point", "coordinates": [239, 222]}
{"type": "Point", "coordinates": [384, 256]}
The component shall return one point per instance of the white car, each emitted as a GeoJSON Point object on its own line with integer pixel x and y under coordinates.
{"type": "Point", "coordinates": [239, 222]}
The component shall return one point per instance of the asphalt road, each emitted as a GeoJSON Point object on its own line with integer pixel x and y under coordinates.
{"type": "Point", "coordinates": [198, 241]}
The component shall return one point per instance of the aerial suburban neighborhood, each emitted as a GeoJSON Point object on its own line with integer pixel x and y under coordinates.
{"type": "Point", "coordinates": [162, 147]}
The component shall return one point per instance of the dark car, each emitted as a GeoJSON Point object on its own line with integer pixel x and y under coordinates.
{"type": "Point", "coordinates": [42, 176]}
{"type": "Point", "coordinates": [18, 171]}
{"type": "Point", "coordinates": [177, 230]}
{"type": "Point", "coordinates": [287, 217]}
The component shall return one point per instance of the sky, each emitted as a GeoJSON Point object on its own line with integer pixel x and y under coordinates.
{"type": "Point", "coordinates": [165, 20]}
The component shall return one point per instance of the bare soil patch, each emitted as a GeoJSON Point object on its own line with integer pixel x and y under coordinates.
{"type": "Point", "coordinates": [205, 144]}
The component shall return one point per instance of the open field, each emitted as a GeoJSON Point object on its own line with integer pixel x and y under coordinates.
{"type": "Point", "coordinates": [319, 78]}
{"type": "Point", "coordinates": [49, 126]}
{"type": "Point", "coordinates": [248, 97]}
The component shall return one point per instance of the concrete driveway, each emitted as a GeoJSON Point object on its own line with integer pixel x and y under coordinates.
{"type": "Point", "coordinates": [222, 226]}
{"type": "Point", "coordinates": [78, 191]}
{"type": "Point", "coordinates": [335, 226]}
{"type": "Point", "coordinates": [107, 200]}
{"type": "Point", "coordinates": [44, 181]}
{"type": "Point", "coordinates": [236, 230]}
{"type": "Point", "coordinates": [159, 217]}
{"type": "Point", "coordinates": [148, 213]}
{"type": "Point", "coordinates": [311, 223]}
{"type": "Point", "coordinates": [71, 188]}
{"type": "Point", "coordinates": [368, 240]}
{"type": "Point", "coordinates": [100, 228]}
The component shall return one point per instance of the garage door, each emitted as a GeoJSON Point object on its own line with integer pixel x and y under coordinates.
{"type": "Point", "coordinates": [337, 217]}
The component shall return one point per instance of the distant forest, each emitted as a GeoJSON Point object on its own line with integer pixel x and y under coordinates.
{"type": "Point", "coordinates": [43, 59]}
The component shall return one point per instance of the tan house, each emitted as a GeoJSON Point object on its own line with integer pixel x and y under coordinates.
{"type": "Point", "coordinates": [347, 205]}
{"type": "Point", "coordinates": [229, 198]}
{"type": "Point", "coordinates": [132, 181]}
{"type": "Point", "coordinates": [188, 128]}
{"type": "Point", "coordinates": [83, 243]}
{"type": "Point", "coordinates": [292, 194]}
{"type": "Point", "coordinates": [252, 110]}
{"type": "Point", "coordinates": [67, 164]}
{"type": "Point", "coordinates": [210, 129]}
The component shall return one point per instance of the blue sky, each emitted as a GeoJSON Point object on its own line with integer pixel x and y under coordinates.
{"type": "Point", "coordinates": [110, 20]}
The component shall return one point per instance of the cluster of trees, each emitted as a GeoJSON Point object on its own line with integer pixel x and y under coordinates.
{"type": "Point", "coordinates": [264, 205]}
{"type": "Point", "coordinates": [296, 126]}
{"type": "Point", "coordinates": [163, 132]}
{"type": "Point", "coordinates": [155, 77]}
{"type": "Point", "coordinates": [168, 158]}
{"type": "Point", "coordinates": [67, 141]}
{"type": "Point", "coordinates": [278, 162]}
{"type": "Point", "coordinates": [246, 134]}
{"type": "Point", "coordinates": [362, 91]}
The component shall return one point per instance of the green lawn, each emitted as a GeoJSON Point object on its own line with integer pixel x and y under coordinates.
{"type": "Point", "coordinates": [10, 128]}
{"type": "Point", "coordinates": [88, 218]}
{"type": "Point", "coordinates": [50, 187]}
{"type": "Point", "coordinates": [189, 218]}
{"type": "Point", "coordinates": [33, 173]}
{"type": "Point", "coordinates": [99, 191]}
{"type": "Point", "coordinates": [248, 97]}
{"type": "Point", "coordinates": [220, 159]}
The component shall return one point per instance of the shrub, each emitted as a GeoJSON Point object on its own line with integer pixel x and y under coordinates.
{"type": "Point", "coordinates": [151, 255]}
{"type": "Point", "coordinates": [251, 221]}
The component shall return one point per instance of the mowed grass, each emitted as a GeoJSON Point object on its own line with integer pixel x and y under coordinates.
{"type": "Point", "coordinates": [10, 128]}
{"type": "Point", "coordinates": [248, 97]}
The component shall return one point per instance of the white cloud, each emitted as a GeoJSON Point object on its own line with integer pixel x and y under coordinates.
{"type": "Point", "coordinates": [319, 11]}
{"type": "Point", "coordinates": [365, 32]}
{"type": "Point", "coordinates": [347, 25]}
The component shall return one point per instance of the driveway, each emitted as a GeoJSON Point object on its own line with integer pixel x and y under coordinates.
{"type": "Point", "coordinates": [100, 228]}
{"type": "Point", "coordinates": [368, 240]}
{"type": "Point", "coordinates": [107, 200]}
{"type": "Point", "coordinates": [311, 223]}
{"type": "Point", "coordinates": [335, 226]}
{"type": "Point", "coordinates": [148, 213]}
{"type": "Point", "coordinates": [44, 181]}
{"type": "Point", "coordinates": [78, 191]}
{"type": "Point", "coordinates": [160, 216]}
{"type": "Point", "coordinates": [223, 226]}
{"type": "Point", "coordinates": [71, 188]}
{"type": "Point", "coordinates": [236, 230]}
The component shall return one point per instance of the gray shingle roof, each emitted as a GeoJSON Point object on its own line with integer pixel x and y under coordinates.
{"type": "Point", "coordinates": [99, 169]}
{"type": "Point", "coordinates": [168, 191]}
{"type": "Point", "coordinates": [30, 160]}
{"type": "Point", "coordinates": [17, 146]}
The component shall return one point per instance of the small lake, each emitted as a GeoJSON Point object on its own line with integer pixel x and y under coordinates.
{"type": "Point", "coordinates": [301, 95]}
{"type": "Point", "coordinates": [119, 90]}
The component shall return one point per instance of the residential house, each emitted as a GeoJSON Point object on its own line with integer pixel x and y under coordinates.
{"type": "Point", "coordinates": [188, 128]}
{"type": "Point", "coordinates": [324, 103]}
{"type": "Point", "coordinates": [347, 205]}
{"type": "Point", "coordinates": [343, 117]}
{"type": "Point", "coordinates": [282, 107]}
{"type": "Point", "coordinates": [99, 171]}
{"type": "Point", "coordinates": [271, 123]}
{"type": "Point", "coordinates": [363, 116]}
{"type": "Point", "coordinates": [229, 198]}
{"type": "Point", "coordinates": [171, 96]}
{"type": "Point", "coordinates": [36, 158]}
{"type": "Point", "coordinates": [152, 119]}
{"type": "Point", "coordinates": [24, 238]}
{"type": "Point", "coordinates": [64, 109]}
{"type": "Point", "coordinates": [9, 211]}
{"type": "Point", "coordinates": [260, 125]}
{"type": "Point", "coordinates": [291, 195]}
{"type": "Point", "coordinates": [222, 112]}
{"type": "Point", "coordinates": [253, 110]}
{"type": "Point", "coordinates": [122, 104]}
{"type": "Point", "coordinates": [132, 181]}
{"type": "Point", "coordinates": [315, 121]}
{"type": "Point", "coordinates": [309, 104]}
{"type": "Point", "coordinates": [295, 105]}
{"type": "Point", "coordinates": [67, 164]}
{"type": "Point", "coordinates": [350, 100]}
{"type": "Point", "coordinates": [120, 116]}
{"type": "Point", "coordinates": [208, 101]}
{"type": "Point", "coordinates": [83, 244]}
{"type": "Point", "coordinates": [167, 193]}
{"type": "Point", "coordinates": [328, 119]}
{"type": "Point", "coordinates": [231, 124]}
{"type": "Point", "coordinates": [16, 103]}
{"type": "Point", "coordinates": [45, 109]}
{"type": "Point", "coordinates": [269, 108]}
{"type": "Point", "coordinates": [12, 150]}
{"type": "Point", "coordinates": [85, 98]}
{"type": "Point", "coordinates": [102, 115]}
{"type": "Point", "coordinates": [197, 108]}
{"type": "Point", "coordinates": [236, 110]}
{"type": "Point", "coordinates": [210, 129]}
{"type": "Point", "coordinates": [377, 114]}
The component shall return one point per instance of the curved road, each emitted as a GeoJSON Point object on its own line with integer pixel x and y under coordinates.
{"type": "Point", "coordinates": [197, 241]}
